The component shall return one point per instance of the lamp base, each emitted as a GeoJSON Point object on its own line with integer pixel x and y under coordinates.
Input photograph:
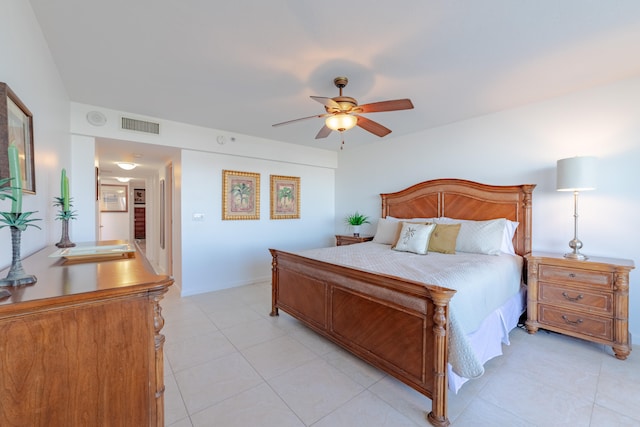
{"type": "Point", "coordinates": [575, 255]}
{"type": "Point", "coordinates": [575, 244]}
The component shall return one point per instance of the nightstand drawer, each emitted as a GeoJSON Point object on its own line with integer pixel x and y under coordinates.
{"type": "Point", "coordinates": [593, 326]}
{"type": "Point", "coordinates": [562, 275]}
{"type": "Point", "coordinates": [579, 299]}
{"type": "Point", "coordinates": [343, 240]}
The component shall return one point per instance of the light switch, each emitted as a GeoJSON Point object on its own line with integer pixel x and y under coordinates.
{"type": "Point", "coordinates": [198, 217]}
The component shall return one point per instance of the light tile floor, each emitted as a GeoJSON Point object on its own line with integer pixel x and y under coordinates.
{"type": "Point", "coordinates": [227, 363]}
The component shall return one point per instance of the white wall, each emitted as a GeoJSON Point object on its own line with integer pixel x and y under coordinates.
{"type": "Point", "coordinates": [175, 134]}
{"type": "Point", "coordinates": [241, 246]}
{"type": "Point", "coordinates": [82, 183]}
{"type": "Point", "coordinates": [522, 146]}
{"type": "Point", "coordinates": [158, 256]}
{"type": "Point", "coordinates": [28, 69]}
{"type": "Point", "coordinates": [219, 254]}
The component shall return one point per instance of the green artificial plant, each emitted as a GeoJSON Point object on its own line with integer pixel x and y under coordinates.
{"type": "Point", "coordinates": [62, 214]}
{"type": "Point", "coordinates": [357, 219]}
{"type": "Point", "coordinates": [9, 219]}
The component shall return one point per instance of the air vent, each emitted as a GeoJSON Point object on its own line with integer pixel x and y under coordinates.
{"type": "Point", "coordinates": [140, 126]}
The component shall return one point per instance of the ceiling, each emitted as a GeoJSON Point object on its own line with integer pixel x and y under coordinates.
{"type": "Point", "coordinates": [148, 158]}
{"type": "Point", "coordinates": [241, 66]}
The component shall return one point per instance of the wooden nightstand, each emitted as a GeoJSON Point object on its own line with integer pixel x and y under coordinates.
{"type": "Point", "coordinates": [343, 240]}
{"type": "Point", "coordinates": [585, 299]}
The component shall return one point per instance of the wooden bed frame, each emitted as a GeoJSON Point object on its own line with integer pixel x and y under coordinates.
{"type": "Point", "coordinates": [398, 325]}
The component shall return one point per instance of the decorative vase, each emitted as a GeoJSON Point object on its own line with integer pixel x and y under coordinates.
{"type": "Point", "coordinates": [16, 275]}
{"type": "Point", "coordinates": [356, 230]}
{"type": "Point", "coordinates": [64, 240]}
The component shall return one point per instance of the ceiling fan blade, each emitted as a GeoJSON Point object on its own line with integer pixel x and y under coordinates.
{"type": "Point", "coordinates": [324, 132]}
{"type": "Point", "coordinates": [393, 105]}
{"type": "Point", "coordinates": [373, 127]}
{"type": "Point", "coordinates": [298, 120]}
{"type": "Point", "coordinates": [327, 102]}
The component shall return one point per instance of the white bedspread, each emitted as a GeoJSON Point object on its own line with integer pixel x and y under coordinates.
{"type": "Point", "coordinates": [483, 283]}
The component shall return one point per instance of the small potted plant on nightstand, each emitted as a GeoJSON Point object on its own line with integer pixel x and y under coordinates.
{"type": "Point", "coordinates": [356, 220]}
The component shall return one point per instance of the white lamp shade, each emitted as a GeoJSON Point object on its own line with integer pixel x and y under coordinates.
{"type": "Point", "coordinates": [576, 174]}
{"type": "Point", "coordinates": [341, 122]}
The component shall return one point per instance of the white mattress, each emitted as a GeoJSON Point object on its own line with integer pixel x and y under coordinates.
{"type": "Point", "coordinates": [484, 284]}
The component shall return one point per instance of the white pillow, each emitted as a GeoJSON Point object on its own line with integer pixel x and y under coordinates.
{"type": "Point", "coordinates": [507, 240]}
{"type": "Point", "coordinates": [506, 245]}
{"type": "Point", "coordinates": [414, 238]}
{"type": "Point", "coordinates": [480, 237]}
{"type": "Point", "coordinates": [386, 231]}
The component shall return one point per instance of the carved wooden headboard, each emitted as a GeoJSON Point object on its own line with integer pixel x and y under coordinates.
{"type": "Point", "coordinates": [458, 198]}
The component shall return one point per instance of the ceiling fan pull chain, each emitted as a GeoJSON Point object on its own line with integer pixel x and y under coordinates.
{"type": "Point", "coordinates": [342, 145]}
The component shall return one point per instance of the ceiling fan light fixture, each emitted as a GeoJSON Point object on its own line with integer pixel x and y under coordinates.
{"type": "Point", "coordinates": [341, 122]}
{"type": "Point", "coordinates": [126, 165]}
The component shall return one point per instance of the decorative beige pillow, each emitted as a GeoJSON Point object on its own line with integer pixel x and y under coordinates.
{"type": "Point", "coordinates": [399, 229]}
{"type": "Point", "coordinates": [414, 238]}
{"type": "Point", "coordinates": [443, 238]}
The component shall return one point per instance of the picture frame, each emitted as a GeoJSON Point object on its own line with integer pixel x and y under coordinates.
{"type": "Point", "coordinates": [114, 198]}
{"type": "Point", "coordinates": [16, 125]}
{"type": "Point", "coordinates": [240, 195]}
{"type": "Point", "coordinates": [139, 197]}
{"type": "Point", "coordinates": [285, 197]}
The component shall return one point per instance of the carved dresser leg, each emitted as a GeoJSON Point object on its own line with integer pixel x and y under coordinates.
{"type": "Point", "coordinates": [158, 323]}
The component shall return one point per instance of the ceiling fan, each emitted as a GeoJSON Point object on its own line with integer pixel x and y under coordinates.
{"type": "Point", "coordinates": [343, 112]}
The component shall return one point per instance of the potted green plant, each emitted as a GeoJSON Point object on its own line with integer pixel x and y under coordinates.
{"type": "Point", "coordinates": [356, 220]}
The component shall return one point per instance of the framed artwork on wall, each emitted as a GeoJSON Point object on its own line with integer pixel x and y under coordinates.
{"type": "Point", "coordinates": [240, 195]}
{"type": "Point", "coordinates": [285, 197]}
{"type": "Point", "coordinates": [113, 198]}
{"type": "Point", "coordinates": [16, 126]}
{"type": "Point", "coordinates": [139, 196]}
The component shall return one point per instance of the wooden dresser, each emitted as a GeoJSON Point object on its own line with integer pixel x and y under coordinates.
{"type": "Point", "coordinates": [82, 346]}
{"type": "Point", "coordinates": [586, 299]}
{"type": "Point", "coordinates": [342, 240]}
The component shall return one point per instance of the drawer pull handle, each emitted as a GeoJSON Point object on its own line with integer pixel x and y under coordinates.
{"type": "Point", "coordinates": [571, 322]}
{"type": "Point", "coordinates": [578, 298]}
{"type": "Point", "coordinates": [572, 275]}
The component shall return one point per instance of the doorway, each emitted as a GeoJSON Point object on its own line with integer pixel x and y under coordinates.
{"type": "Point", "coordinates": [154, 165]}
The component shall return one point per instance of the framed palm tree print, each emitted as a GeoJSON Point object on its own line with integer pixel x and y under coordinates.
{"type": "Point", "coordinates": [285, 197]}
{"type": "Point", "coordinates": [240, 195]}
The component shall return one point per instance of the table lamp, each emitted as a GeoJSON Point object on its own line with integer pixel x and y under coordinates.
{"type": "Point", "coordinates": [576, 174]}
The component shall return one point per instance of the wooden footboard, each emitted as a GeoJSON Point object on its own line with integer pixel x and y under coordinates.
{"type": "Point", "coordinates": [397, 325]}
